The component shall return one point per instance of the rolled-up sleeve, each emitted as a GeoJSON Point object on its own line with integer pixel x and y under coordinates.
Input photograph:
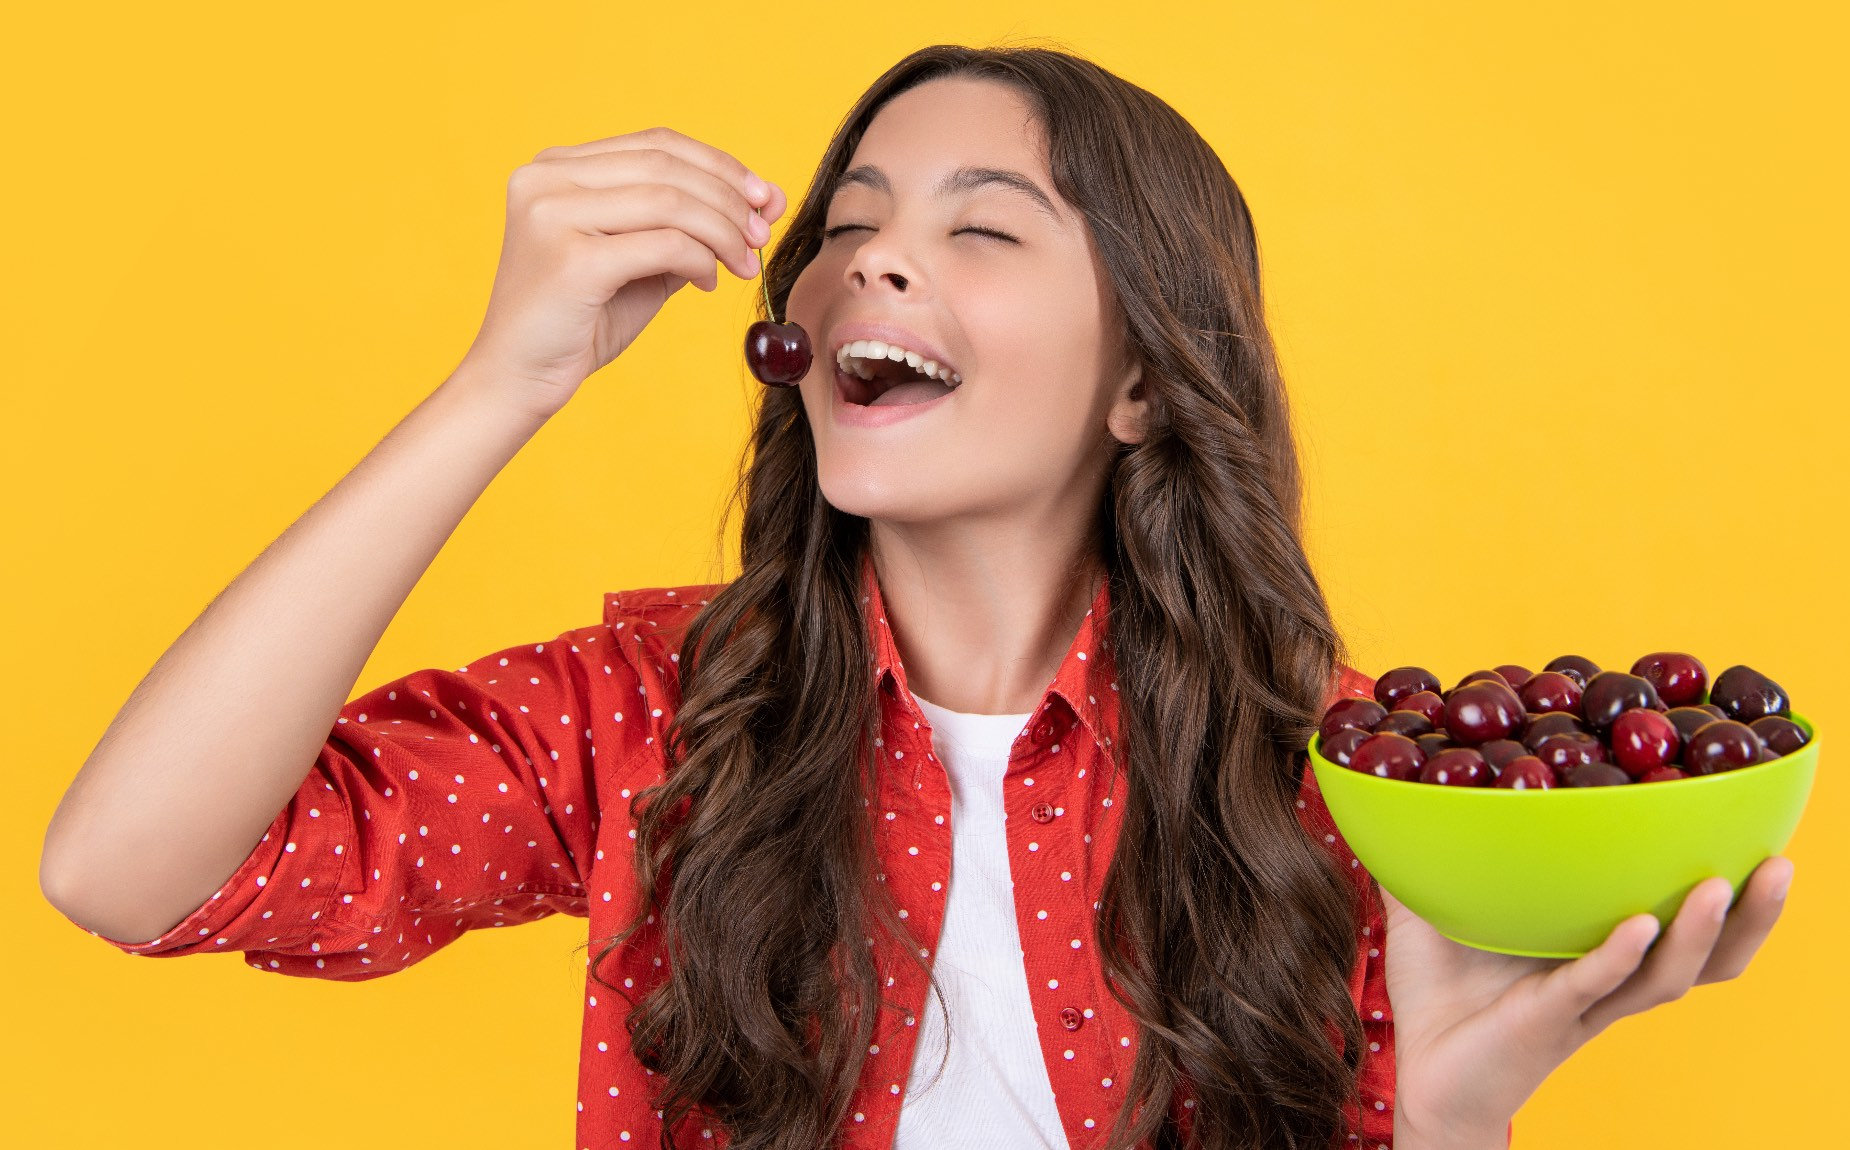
{"type": "Point", "coordinates": [442, 802]}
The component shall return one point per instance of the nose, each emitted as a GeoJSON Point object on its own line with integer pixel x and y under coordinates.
{"type": "Point", "coordinates": [878, 259]}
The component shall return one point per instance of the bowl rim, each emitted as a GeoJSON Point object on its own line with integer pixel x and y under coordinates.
{"type": "Point", "coordinates": [1719, 778]}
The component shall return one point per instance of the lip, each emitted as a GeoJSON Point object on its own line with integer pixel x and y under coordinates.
{"type": "Point", "coordinates": [887, 333]}
{"type": "Point", "coordinates": [848, 414]}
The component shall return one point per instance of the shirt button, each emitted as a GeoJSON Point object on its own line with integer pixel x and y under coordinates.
{"type": "Point", "coordinates": [1070, 1019]}
{"type": "Point", "coordinates": [1043, 731]}
{"type": "Point", "coordinates": [1042, 812]}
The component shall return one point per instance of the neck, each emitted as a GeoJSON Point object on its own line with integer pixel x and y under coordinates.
{"type": "Point", "coordinates": [983, 618]}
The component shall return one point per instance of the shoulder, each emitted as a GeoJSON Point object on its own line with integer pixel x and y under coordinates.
{"type": "Point", "coordinates": [656, 617]}
{"type": "Point", "coordinates": [1350, 683]}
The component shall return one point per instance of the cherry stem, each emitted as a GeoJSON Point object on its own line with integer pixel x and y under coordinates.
{"type": "Point", "coordinates": [761, 279]}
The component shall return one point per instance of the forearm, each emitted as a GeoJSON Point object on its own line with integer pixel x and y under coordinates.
{"type": "Point", "coordinates": [224, 728]}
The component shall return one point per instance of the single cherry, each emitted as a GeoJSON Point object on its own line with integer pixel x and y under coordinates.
{"type": "Point", "coordinates": [1564, 752]}
{"type": "Point", "coordinates": [1551, 691]}
{"type": "Point", "coordinates": [1541, 726]}
{"type": "Point", "coordinates": [1596, 775]}
{"type": "Point", "coordinates": [1478, 676]}
{"type": "Point", "coordinates": [1351, 712]}
{"type": "Point", "coordinates": [1403, 682]}
{"type": "Point", "coordinates": [1779, 733]}
{"type": "Point", "coordinates": [1388, 756]}
{"type": "Point", "coordinates": [1745, 694]}
{"type": "Point", "coordinates": [1340, 747]}
{"type": "Point", "coordinates": [1527, 773]}
{"type": "Point", "coordinates": [1426, 703]}
{"type": "Point", "coordinates": [1611, 692]}
{"type": "Point", "coordinates": [1680, 679]}
{"type": "Point", "coordinates": [1433, 742]}
{"type": "Point", "coordinates": [777, 353]}
{"type": "Point", "coordinates": [1458, 767]}
{"type": "Point", "coordinates": [1500, 753]}
{"type": "Point", "coordinates": [1723, 745]}
{"type": "Point", "coordinates": [1574, 667]}
{"type": "Point", "coordinates": [1643, 739]}
{"type": "Point", "coordinates": [1663, 774]}
{"type": "Point", "coordinates": [1483, 709]}
{"type": "Point", "coordinates": [1515, 674]}
{"type": "Point", "coordinates": [1409, 723]}
{"type": "Point", "coordinates": [1689, 720]}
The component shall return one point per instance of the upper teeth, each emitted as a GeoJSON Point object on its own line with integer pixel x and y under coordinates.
{"type": "Point", "coordinates": [853, 356]}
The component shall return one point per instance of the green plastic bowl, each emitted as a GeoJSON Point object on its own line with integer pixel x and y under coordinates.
{"type": "Point", "coordinates": [1549, 873]}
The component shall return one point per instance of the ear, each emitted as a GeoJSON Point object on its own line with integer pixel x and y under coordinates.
{"type": "Point", "coordinates": [1130, 407]}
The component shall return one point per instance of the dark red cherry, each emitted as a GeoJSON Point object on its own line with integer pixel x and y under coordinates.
{"type": "Point", "coordinates": [1458, 767]}
{"type": "Point", "coordinates": [1550, 691]}
{"type": "Point", "coordinates": [1780, 733]}
{"type": "Point", "coordinates": [1501, 752]}
{"type": "Point", "coordinates": [1527, 773]}
{"type": "Point", "coordinates": [1610, 693]}
{"type": "Point", "coordinates": [1712, 709]}
{"type": "Point", "coordinates": [1643, 739]}
{"type": "Point", "coordinates": [1515, 674]}
{"type": "Point", "coordinates": [1681, 680]}
{"type": "Point", "coordinates": [1539, 727]}
{"type": "Point", "coordinates": [1564, 752]}
{"type": "Point", "coordinates": [1403, 682]}
{"type": "Point", "coordinates": [777, 353]}
{"type": "Point", "coordinates": [1426, 703]}
{"type": "Point", "coordinates": [1574, 667]}
{"type": "Point", "coordinates": [1478, 676]}
{"type": "Point", "coordinates": [1389, 757]}
{"type": "Point", "coordinates": [1745, 695]}
{"type": "Point", "coordinates": [1722, 745]}
{"type": "Point", "coordinates": [1340, 747]}
{"type": "Point", "coordinates": [1596, 775]}
{"type": "Point", "coordinates": [1663, 774]}
{"type": "Point", "coordinates": [1433, 742]}
{"type": "Point", "coordinates": [1483, 709]}
{"type": "Point", "coordinates": [1351, 712]}
{"type": "Point", "coordinates": [1409, 723]}
{"type": "Point", "coordinates": [1689, 720]}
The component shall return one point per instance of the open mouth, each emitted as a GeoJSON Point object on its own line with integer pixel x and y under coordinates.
{"type": "Point", "coordinates": [870, 377]}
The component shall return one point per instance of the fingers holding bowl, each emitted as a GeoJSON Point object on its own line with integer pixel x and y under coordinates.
{"type": "Point", "coordinates": [1750, 920]}
{"type": "Point", "coordinates": [1708, 941]}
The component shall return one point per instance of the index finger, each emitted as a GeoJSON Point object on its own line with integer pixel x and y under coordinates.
{"type": "Point", "coordinates": [702, 155]}
{"type": "Point", "coordinates": [1750, 921]}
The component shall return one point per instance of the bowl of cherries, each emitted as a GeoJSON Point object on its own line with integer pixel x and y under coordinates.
{"type": "Point", "coordinates": [1531, 812]}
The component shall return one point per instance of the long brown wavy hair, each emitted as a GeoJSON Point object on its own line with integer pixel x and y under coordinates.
{"type": "Point", "coordinates": [1224, 929]}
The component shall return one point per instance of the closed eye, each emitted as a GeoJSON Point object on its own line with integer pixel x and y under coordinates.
{"type": "Point", "coordinates": [831, 233]}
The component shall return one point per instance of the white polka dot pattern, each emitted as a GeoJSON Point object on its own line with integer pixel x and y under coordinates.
{"type": "Point", "coordinates": [448, 801]}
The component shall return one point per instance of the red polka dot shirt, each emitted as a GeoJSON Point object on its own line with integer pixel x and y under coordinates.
{"type": "Point", "coordinates": [499, 793]}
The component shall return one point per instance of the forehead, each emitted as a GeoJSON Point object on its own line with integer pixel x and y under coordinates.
{"type": "Point", "coordinates": [954, 136]}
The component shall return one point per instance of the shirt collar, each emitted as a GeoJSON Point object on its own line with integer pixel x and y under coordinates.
{"type": "Point", "coordinates": [1086, 681]}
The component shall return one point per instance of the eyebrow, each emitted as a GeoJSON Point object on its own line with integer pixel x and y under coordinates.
{"type": "Point", "coordinates": [965, 179]}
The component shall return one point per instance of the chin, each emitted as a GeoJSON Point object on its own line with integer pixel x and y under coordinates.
{"type": "Point", "coordinates": [879, 492]}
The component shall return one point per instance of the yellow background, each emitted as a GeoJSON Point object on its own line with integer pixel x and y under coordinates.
{"type": "Point", "coordinates": [1559, 297]}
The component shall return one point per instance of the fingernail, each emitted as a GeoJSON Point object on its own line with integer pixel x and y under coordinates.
{"type": "Point", "coordinates": [756, 189]}
{"type": "Point", "coordinates": [1779, 889]}
{"type": "Point", "coordinates": [759, 230]}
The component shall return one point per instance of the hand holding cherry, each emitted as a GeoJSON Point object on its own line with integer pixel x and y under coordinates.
{"type": "Point", "coordinates": [778, 353]}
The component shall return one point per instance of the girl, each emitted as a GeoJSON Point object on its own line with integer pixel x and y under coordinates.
{"type": "Point", "coordinates": [974, 811]}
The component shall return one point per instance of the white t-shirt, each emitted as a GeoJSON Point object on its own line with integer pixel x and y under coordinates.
{"type": "Point", "coordinates": [994, 1090]}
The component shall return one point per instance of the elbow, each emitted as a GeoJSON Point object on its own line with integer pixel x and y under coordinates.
{"type": "Point", "coordinates": [78, 897]}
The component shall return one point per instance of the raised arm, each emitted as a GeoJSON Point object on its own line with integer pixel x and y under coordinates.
{"type": "Point", "coordinates": [222, 731]}
{"type": "Point", "coordinates": [225, 728]}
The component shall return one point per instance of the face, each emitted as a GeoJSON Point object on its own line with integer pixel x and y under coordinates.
{"type": "Point", "coordinates": [999, 287]}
